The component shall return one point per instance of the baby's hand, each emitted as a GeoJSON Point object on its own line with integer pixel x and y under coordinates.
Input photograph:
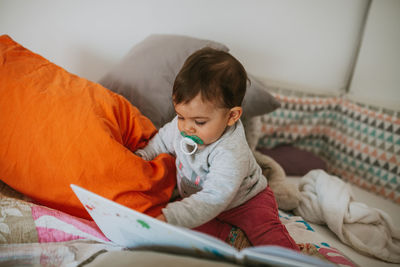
{"type": "Point", "coordinates": [161, 217]}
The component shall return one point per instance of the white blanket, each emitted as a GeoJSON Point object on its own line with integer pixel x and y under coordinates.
{"type": "Point", "coordinates": [326, 199]}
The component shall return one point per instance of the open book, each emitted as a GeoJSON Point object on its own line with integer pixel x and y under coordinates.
{"type": "Point", "coordinates": [129, 228]}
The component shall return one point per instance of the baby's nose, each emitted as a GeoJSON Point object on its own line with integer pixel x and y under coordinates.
{"type": "Point", "coordinates": [189, 129]}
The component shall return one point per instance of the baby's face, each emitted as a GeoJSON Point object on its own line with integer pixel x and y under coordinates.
{"type": "Point", "coordinates": [203, 119]}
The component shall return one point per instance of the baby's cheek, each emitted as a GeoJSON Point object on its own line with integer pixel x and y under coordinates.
{"type": "Point", "coordinates": [203, 136]}
{"type": "Point", "coordinates": [179, 127]}
{"type": "Point", "coordinates": [207, 138]}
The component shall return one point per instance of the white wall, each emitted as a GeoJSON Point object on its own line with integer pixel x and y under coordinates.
{"type": "Point", "coordinates": [306, 44]}
{"type": "Point", "coordinates": [376, 77]}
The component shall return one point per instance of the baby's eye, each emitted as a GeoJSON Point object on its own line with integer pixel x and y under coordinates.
{"type": "Point", "coordinates": [200, 122]}
{"type": "Point", "coordinates": [180, 118]}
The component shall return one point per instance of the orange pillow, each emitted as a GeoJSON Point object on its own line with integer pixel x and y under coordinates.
{"type": "Point", "coordinates": [57, 128]}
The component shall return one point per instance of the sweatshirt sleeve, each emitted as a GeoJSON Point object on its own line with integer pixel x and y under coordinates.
{"type": "Point", "coordinates": [162, 142]}
{"type": "Point", "coordinates": [225, 176]}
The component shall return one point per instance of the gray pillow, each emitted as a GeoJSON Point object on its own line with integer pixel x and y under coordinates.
{"type": "Point", "coordinates": [145, 77]}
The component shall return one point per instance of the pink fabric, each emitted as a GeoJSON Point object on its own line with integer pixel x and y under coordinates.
{"type": "Point", "coordinates": [258, 218]}
{"type": "Point", "coordinates": [52, 228]}
{"type": "Point", "coordinates": [46, 235]}
{"type": "Point", "coordinates": [335, 256]}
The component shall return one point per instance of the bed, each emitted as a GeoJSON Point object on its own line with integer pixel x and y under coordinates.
{"type": "Point", "coordinates": [35, 234]}
{"type": "Point", "coordinates": [59, 128]}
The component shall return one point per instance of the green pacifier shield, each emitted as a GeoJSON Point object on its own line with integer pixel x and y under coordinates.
{"type": "Point", "coordinates": [196, 139]}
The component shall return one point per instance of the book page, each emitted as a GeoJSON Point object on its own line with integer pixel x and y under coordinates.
{"type": "Point", "coordinates": [129, 228]}
{"type": "Point", "coordinates": [132, 229]}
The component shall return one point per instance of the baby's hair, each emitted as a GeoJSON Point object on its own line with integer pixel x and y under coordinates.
{"type": "Point", "coordinates": [216, 74]}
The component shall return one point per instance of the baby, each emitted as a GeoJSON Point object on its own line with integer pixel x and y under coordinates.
{"type": "Point", "coordinates": [218, 178]}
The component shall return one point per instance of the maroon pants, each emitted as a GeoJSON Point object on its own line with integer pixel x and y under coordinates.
{"type": "Point", "coordinates": [258, 218]}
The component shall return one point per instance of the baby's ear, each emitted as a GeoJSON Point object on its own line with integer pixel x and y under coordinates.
{"type": "Point", "coordinates": [234, 115]}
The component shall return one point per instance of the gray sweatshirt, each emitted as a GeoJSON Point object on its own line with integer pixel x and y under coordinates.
{"type": "Point", "coordinates": [217, 177]}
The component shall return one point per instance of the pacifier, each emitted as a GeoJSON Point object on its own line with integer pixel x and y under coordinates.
{"type": "Point", "coordinates": [190, 141]}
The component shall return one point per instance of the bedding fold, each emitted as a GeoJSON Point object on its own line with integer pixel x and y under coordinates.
{"type": "Point", "coordinates": [326, 199]}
